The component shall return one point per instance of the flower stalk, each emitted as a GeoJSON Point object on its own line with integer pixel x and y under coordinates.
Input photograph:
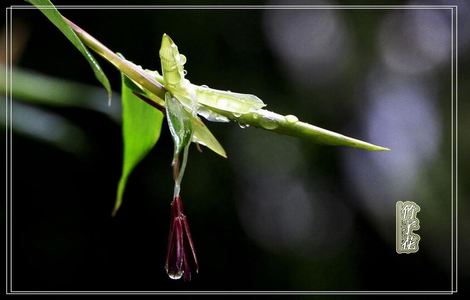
{"type": "Point", "coordinates": [181, 259]}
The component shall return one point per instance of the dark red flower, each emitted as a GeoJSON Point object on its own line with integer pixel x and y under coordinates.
{"type": "Point", "coordinates": [181, 258]}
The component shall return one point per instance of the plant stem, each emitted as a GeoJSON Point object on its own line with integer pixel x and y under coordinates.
{"type": "Point", "coordinates": [131, 70]}
{"type": "Point", "coordinates": [260, 118]}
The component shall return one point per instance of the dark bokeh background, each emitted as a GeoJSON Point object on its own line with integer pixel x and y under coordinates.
{"type": "Point", "coordinates": [280, 213]}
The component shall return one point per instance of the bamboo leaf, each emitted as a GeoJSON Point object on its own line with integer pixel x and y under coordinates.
{"type": "Point", "coordinates": [290, 125]}
{"type": "Point", "coordinates": [141, 126]}
{"type": "Point", "coordinates": [49, 10]}
{"type": "Point", "coordinates": [179, 122]}
{"type": "Point", "coordinates": [203, 136]}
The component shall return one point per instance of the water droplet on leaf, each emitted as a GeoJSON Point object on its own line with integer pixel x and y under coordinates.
{"type": "Point", "coordinates": [182, 59]}
{"type": "Point", "coordinates": [291, 119]}
{"type": "Point", "coordinates": [243, 126]}
{"type": "Point", "coordinates": [268, 123]}
{"type": "Point", "coordinates": [211, 116]}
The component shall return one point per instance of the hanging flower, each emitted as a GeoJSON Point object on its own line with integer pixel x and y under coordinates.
{"type": "Point", "coordinates": [181, 258]}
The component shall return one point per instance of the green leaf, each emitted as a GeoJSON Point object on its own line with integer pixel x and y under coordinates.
{"type": "Point", "coordinates": [227, 101]}
{"type": "Point", "coordinates": [203, 136]}
{"type": "Point", "coordinates": [290, 125]}
{"type": "Point", "coordinates": [134, 86]}
{"type": "Point", "coordinates": [139, 90]}
{"type": "Point", "coordinates": [141, 126]}
{"type": "Point", "coordinates": [49, 10]}
{"type": "Point", "coordinates": [179, 122]}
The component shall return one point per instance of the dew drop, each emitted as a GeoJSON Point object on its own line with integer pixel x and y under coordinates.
{"type": "Point", "coordinates": [212, 116]}
{"type": "Point", "coordinates": [268, 123]}
{"type": "Point", "coordinates": [237, 115]}
{"type": "Point", "coordinates": [204, 86]}
{"type": "Point", "coordinates": [185, 72]}
{"type": "Point", "coordinates": [243, 126]}
{"type": "Point", "coordinates": [182, 59]}
{"type": "Point", "coordinates": [176, 275]}
{"type": "Point", "coordinates": [291, 119]}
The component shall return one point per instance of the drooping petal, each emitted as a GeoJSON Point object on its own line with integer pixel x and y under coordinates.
{"type": "Point", "coordinates": [181, 260]}
{"type": "Point", "coordinates": [174, 259]}
{"type": "Point", "coordinates": [187, 268]}
{"type": "Point", "coordinates": [191, 244]}
{"type": "Point", "coordinates": [179, 244]}
{"type": "Point", "coordinates": [169, 252]}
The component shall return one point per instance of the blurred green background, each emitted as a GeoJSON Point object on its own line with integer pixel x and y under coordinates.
{"type": "Point", "coordinates": [280, 213]}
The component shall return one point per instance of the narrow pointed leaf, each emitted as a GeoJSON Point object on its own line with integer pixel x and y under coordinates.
{"type": "Point", "coordinates": [139, 90]}
{"type": "Point", "coordinates": [290, 125]}
{"type": "Point", "coordinates": [48, 9]}
{"type": "Point", "coordinates": [179, 122]}
{"type": "Point", "coordinates": [141, 126]}
{"type": "Point", "coordinates": [203, 136]}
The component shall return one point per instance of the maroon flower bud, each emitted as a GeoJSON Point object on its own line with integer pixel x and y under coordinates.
{"type": "Point", "coordinates": [179, 261]}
